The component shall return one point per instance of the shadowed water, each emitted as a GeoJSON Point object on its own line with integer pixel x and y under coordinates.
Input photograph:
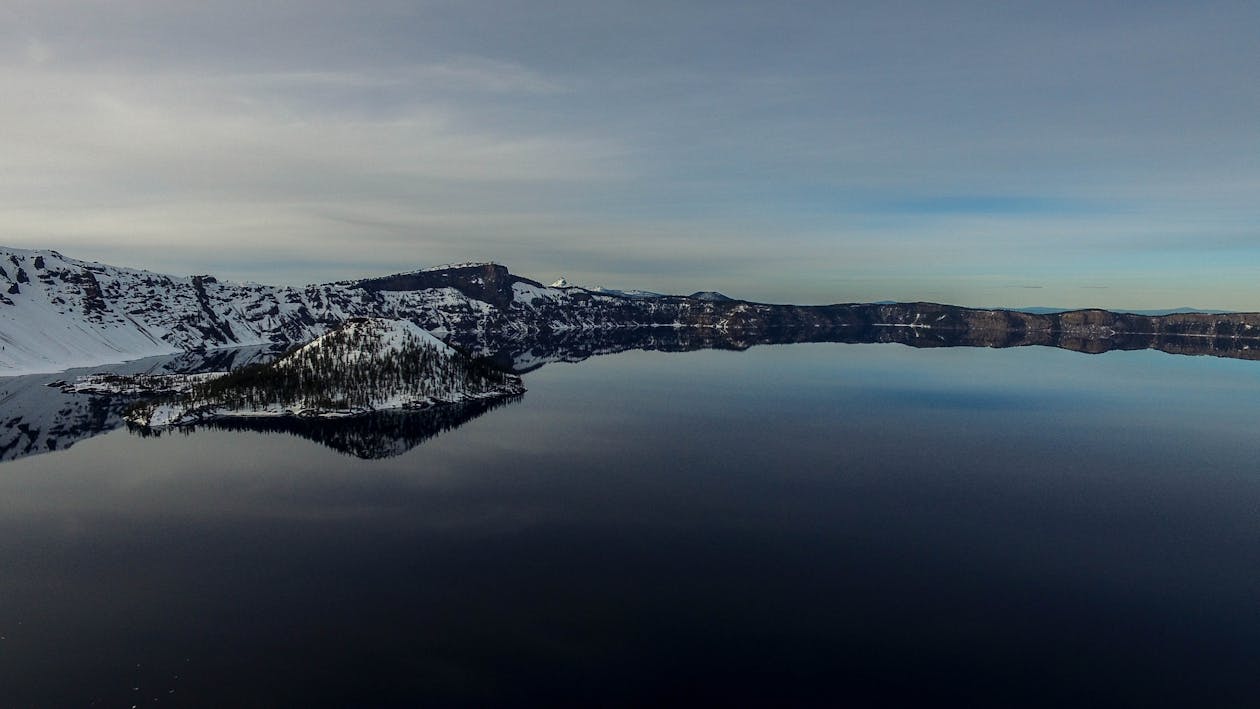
{"type": "Point", "coordinates": [39, 418]}
{"type": "Point", "coordinates": [807, 524]}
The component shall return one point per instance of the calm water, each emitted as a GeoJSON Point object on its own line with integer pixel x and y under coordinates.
{"type": "Point", "coordinates": [808, 524]}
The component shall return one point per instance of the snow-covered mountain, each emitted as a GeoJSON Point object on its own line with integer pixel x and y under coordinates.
{"type": "Point", "coordinates": [710, 295]}
{"type": "Point", "coordinates": [633, 293]}
{"type": "Point", "coordinates": [361, 366]}
{"type": "Point", "coordinates": [57, 312]}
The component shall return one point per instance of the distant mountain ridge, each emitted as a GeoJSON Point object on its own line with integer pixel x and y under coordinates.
{"type": "Point", "coordinates": [710, 295]}
{"type": "Point", "coordinates": [57, 312]}
{"type": "Point", "coordinates": [1040, 310]}
{"type": "Point", "coordinates": [626, 293]}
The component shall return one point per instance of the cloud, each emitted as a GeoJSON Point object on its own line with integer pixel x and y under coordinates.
{"type": "Point", "coordinates": [184, 161]}
{"type": "Point", "coordinates": [89, 123]}
{"type": "Point", "coordinates": [644, 143]}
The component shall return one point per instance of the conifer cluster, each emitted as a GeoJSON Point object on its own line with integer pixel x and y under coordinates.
{"type": "Point", "coordinates": [363, 365]}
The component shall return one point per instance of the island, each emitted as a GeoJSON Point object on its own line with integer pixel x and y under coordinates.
{"type": "Point", "coordinates": [361, 366]}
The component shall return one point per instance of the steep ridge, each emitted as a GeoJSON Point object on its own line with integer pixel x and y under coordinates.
{"type": "Point", "coordinates": [57, 312]}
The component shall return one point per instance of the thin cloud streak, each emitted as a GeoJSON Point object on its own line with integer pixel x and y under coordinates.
{"type": "Point", "coordinates": [802, 152]}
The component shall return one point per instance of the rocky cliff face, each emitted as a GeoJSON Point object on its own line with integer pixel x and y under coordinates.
{"type": "Point", "coordinates": [57, 312]}
{"type": "Point", "coordinates": [486, 282]}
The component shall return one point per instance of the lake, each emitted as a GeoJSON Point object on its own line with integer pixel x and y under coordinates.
{"type": "Point", "coordinates": [810, 524]}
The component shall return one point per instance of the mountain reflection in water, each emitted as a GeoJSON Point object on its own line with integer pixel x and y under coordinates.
{"type": "Point", "coordinates": [819, 525]}
{"type": "Point", "coordinates": [40, 419]}
{"type": "Point", "coordinates": [575, 346]}
{"type": "Point", "coordinates": [381, 434]}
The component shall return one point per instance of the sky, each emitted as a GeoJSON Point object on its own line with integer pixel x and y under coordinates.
{"type": "Point", "coordinates": [1065, 154]}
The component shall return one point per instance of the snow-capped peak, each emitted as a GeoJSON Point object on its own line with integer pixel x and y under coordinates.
{"type": "Point", "coordinates": [710, 295]}
{"type": "Point", "coordinates": [633, 293]}
{"type": "Point", "coordinates": [562, 283]}
{"type": "Point", "coordinates": [456, 266]}
{"type": "Point", "coordinates": [362, 365]}
{"type": "Point", "coordinates": [385, 335]}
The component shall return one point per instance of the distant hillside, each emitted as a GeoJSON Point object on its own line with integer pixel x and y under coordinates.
{"type": "Point", "coordinates": [709, 295]}
{"type": "Point", "coordinates": [625, 293]}
{"type": "Point", "coordinates": [1155, 312]}
{"type": "Point", "coordinates": [57, 313]}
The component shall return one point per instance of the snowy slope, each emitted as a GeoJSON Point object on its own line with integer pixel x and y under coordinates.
{"type": "Point", "coordinates": [41, 414]}
{"type": "Point", "coordinates": [633, 293]}
{"type": "Point", "coordinates": [57, 312]}
{"type": "Point", "coordinates": [363, 339]}
{"type": "Point", "coordinates": [362, 366]}
{"type": "Point", "coordinates": [710, 295]}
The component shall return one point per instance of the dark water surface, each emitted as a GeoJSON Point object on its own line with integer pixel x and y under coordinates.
{"type": "Point", "coordinates": [809, 524]}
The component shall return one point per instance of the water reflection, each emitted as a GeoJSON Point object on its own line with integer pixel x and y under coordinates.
{"type": "Point", "coordinates": [39, 418]}
{"type": "Point", "coordinates": [812, 525]}
{"type": "Point", "coordinates": [571, 346]}
{"type": "Point", "coordinates": [383, 434]}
